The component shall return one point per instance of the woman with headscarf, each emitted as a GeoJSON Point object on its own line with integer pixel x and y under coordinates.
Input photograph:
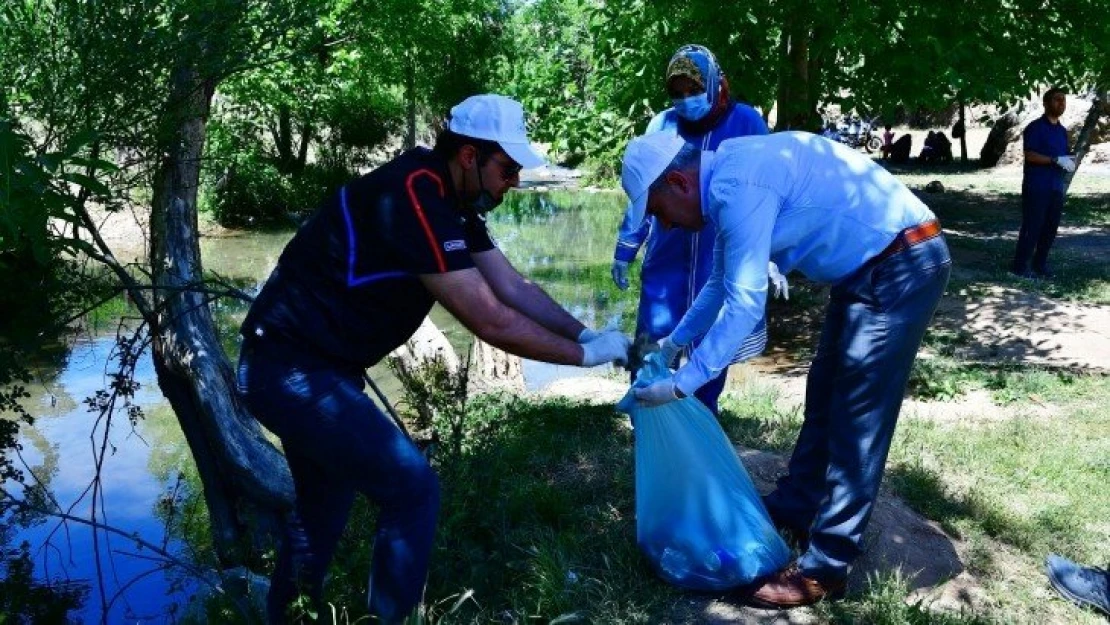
{"type": "Point", "coordinates": [677, 262]}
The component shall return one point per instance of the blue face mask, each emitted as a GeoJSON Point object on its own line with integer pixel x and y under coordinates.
{"type": "Point", "coordinates": [692, 108]}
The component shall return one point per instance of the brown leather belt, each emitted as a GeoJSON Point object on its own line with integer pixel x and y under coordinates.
{"type": "Point", "coordinates": [909, 238]}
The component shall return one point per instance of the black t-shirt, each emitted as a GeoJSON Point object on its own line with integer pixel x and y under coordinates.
{"type": "Point", "coordinates": [346, 286]}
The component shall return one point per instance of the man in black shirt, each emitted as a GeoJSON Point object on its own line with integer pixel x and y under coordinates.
{"type": "Point", "coordinates": [353, 284]}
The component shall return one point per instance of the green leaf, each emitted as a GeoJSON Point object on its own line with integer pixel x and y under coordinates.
{"type": "Point", "coordinates": [79, 141]}
{"type": "Point", "coordinates": [87, 182]}
{"type": "Point", "coordinates": [94, 163]}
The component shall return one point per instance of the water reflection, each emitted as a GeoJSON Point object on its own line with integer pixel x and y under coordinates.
{"type": "Point", "coordinates": [562, 240]}
{"type": "Point", "coordinates": [60, 452]}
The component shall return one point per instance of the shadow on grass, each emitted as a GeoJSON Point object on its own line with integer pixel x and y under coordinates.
{"type": "Point", "coordinates": [924, 490]}
{"type": "Point", "coordinates": [981, 230]}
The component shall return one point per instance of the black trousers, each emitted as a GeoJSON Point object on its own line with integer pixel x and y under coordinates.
{"type": "Point", "coordinates": [1040, 218]}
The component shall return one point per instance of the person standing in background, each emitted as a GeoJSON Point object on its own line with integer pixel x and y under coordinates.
{"type": "Point", "coordinates": [1045, 141]}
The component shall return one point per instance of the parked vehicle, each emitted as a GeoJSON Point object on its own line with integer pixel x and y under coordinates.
{"type": "Point", "coordinates": [857, 133]}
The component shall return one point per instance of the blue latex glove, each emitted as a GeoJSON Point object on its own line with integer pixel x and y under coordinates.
{"type": "Point", "coordinates": [656, 393]}
{"type": "Point", "coordinates": [587, 335]}
{"type": "Point", "coordinates": [620, 274]}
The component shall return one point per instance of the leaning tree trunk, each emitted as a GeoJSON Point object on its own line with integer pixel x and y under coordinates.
{"type": "Point", "coordinates": [246, 480]}
{"type": "Point", "coordinates": [1099, 107]}
{"type": "Point", "coordinates": [1006, 130]}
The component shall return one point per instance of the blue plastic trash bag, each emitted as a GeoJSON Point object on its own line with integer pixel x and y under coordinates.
{"type": "Point", "coordinates": [699, 519]}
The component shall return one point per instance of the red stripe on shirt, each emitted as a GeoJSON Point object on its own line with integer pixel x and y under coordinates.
{"type": "Point", "coordinates": [432, 240]}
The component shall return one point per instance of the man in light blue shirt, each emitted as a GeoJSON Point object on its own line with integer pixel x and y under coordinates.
{"type": "Point", "coordinates": [821, 208]}
{"type": "Point", "coordinates": [677, 263]}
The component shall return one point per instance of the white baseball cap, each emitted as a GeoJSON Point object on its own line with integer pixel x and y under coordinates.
{"type": "Point", "coordinates": [645, 159]}
{"type": "Point", "coordinates": [496, 118]}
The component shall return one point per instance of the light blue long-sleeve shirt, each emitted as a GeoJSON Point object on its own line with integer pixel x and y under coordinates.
{"type": "Point", "coordinates": [802, 201]}
{"type": "Point", "coordinates": [677, 263]}
{"type": "Point", "coordinates": [741, 120]}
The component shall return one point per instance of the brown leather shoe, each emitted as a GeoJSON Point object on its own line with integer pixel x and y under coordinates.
{"type": "Point", "coordinates": [790, 589]}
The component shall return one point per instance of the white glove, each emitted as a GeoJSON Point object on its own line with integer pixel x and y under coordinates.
{"type": "Point", "coordinates": [656, 393]}
{"type": "Point", "coordinates": [610, 346]}
{"type": "Point", "coordinates": [668, 349]}
{"type": "Point", "coordinates": [778, 281]}
{"type": "Point", "coordinates": [1066, 163]}
{"type": "Point", "coordinates": [620, 274]}
{"type": "Point", "coordinates": [587, 335]}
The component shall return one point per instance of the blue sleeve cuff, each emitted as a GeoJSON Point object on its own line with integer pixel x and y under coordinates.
{"type": "Point", "coordinates": [625, 251]}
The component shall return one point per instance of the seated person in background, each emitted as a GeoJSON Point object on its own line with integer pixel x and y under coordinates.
{"type": "Point", "coordinates": [938, 149]}
{"type": "Point", "coordinates": [900, 149]}
{"type": "Point", "coordinates": [926, 155]}
{"type": "Point", "coordinates": [943, 147]}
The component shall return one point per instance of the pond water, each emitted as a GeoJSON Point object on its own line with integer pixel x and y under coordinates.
{"type": "Point", "coordinates": [562, 240]}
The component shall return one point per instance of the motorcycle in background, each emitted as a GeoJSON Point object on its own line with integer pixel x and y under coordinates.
{"type": "Point", "coordinates": [858, 133]}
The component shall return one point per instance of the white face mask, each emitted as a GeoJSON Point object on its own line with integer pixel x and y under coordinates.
{"type": "Point", "coordinates": [692, 108]}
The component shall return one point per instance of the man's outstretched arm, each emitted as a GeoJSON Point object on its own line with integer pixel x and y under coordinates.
{"type": "Point", "coordinates": [525, 296]}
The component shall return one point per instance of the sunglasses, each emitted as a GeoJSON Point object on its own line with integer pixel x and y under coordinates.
{"type": "Point", "coordinates": [509, 170]}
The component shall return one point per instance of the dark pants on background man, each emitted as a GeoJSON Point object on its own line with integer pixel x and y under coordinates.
{"type": "Point", "coordinates": [873, 327]}
{"type": "Point", "coordinates": [338, 444]}
{"type": "Point", "coordinates": [1040, 218]}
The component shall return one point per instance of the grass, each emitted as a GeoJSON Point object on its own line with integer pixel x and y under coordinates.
{"type": "Point", "coordinates": [1010, 489]}
{"type": "Point", "coordinates": [537, 523]}
{"type": "Point", "coordinates": [538, 520]}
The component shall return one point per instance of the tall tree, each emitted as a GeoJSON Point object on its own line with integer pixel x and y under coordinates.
{"type": "Point", "coordinates": [69, 55]}
{"type": "Point", "coordinates": [72, 54]}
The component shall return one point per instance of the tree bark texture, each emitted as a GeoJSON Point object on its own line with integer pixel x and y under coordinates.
{"type": "Point", "coordinates": [1006, 130]}
{"type": "Point", "coordinates": [963, 135]}
{"type": "Point", "coordinates": [410, 102]}
{"type": "Point", "coordinates": [1099, 108]}
{"type": "Point", "coordinates": [246, 481]}
{"type": "Point", "coordinates": [794, 99]}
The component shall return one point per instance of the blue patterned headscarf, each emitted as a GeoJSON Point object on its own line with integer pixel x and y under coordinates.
{"type": "Point", "coordinates": [699, 65]}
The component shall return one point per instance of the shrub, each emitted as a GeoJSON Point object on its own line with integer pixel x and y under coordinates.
{"type": "Point", "coordinates": [255, 194]}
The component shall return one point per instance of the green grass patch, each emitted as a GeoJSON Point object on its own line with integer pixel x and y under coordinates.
{"type": "Point", "coordinates": [537, 523]}
{"type": "Point", "coordinates": [754, 418]}
{"type": "Point", "coordinates": [884, 603]}
{"type": "Point", "coordinates": [1039, 484]}
{"type": "Point", "coordinates": [944, 378]}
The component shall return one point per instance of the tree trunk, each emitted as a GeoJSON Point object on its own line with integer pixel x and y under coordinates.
{"type": "Point", "coordinates": [246, 480]}
{"type": "Point", "coordinates": [428, 347]}
{"type": "Point", "coordinates": [302, 151]}
{"type": "Point", "coordinates": [794, 110]}
{"type": "Point", "coordinates": [410, 102]}
{"type": "Point", "coordinates": [493, 369]}
{"type": "Point", "coordinates": [963, 135]}
{"type": "Point", "coordinates": [1006, 130]}
{"type": "Point", "coordinates": [1099, 107]}
{"type": "Point", "coordinates": [283, 139]}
